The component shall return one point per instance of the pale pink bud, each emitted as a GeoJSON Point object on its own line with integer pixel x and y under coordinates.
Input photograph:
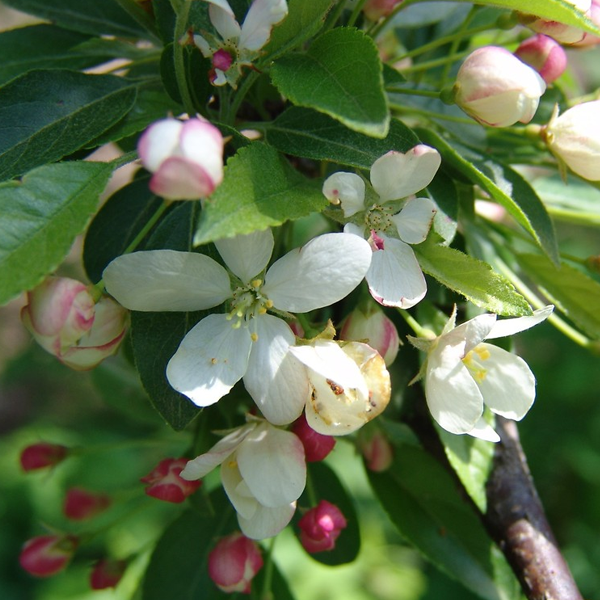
{"type": "Point", "coordinates": [590, 39]}
{"type": "Point", "coordinates": [63, 319]}
{"type": "Point", "coordinates": [316, 445]}
{"type": "Point", "coordinates": [320, 527]}
{"type": "Point", "coordinates": [377, 452]}
{"type": "Point", "coordinates": [80, 504]}
{"type": "Point", "coordinates": [233, 563]}
{"type": "Point", "coordinates": [46, 555]}
{"type": "Point", "coordinates": [222, 60]}
{"type": "Point", "coordinates": [374, 328]}
{"type": "Point", "coordinates": [545, 55]}
{"type": "Point", "coordinates": [166, 484]}
{"type": "Point", "coordinates": [375, 9]}
{"type": "Point", "coordinates": [495, 88]}
{"type": "Point", "coordinates": [574, 137]}
{"type": "Point", "coordinates": [42, 455]}
{"type": "Point", "coordinates": [107, 573]}
{"type": "Point", "coordinates": [186, 158]}
{"type": "Point", "coordinates": [565, 34]}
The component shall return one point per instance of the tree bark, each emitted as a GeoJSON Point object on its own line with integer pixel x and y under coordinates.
{"type": "Point", "coordinates": [516, 520]}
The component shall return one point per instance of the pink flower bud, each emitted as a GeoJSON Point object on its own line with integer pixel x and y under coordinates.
{"type": "Point", "coordinates": [545, 55]}
{"type": "Point", "coordinates": [495, 88]}
{"type": "Point", "coordinates": [316, 445]}
{"type": "Point", "coordinates": [377, 452]}
{"type": "Point", "coordinates": [233, 563]}
{"type": "Point", "coordinates": [46, 555]}
{"type": "Point", "coordinates": [107, 573]}
{"type": "Point", "coordinates": [320, 527]}
{"type": "Point", "coordinates": [42, 455]}
{"type": "Point", "coordinates": [375, 9]}
{"type": "Point", "coordinates": [80, 504]}
{"type": "Point", "coordinates": [565, 34]}
{"type": "Point", "coordinates": [166, 484]}
{"type": "Point", "coordinates": [372, 327]}
{"type": "Point", "coordinates": [222, 60]}
{"type": "Point", "coordinates": [590, 39]}
{"type": "Point", "coordinates": [574, 138]}
{"type": "Point", "coordinates": [63, 318]}
{"type": "Point", "coordinates": [186, 158]}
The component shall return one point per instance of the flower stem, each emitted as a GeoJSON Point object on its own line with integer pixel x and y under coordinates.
{"type": "Point", "coordinates": [266, 593]}
{"type": "Point", "coordinates": [415, 326]}
{"type": "Point", "coordinates": [432, 115]}
{"type": "Point", "coordinates": [183, 11]}
{"type": "Point", "coordinates": [355, 12]}
{"type": "Point", "coordinates": [413, 92]}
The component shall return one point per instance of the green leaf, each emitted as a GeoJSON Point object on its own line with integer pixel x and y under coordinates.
{"type": "Point", "coordinates": [504, 185]}
{"type": "Point", "coordinates": [303, 21]}
{"type": "Point", "coordinates": [46, 115]}
{"type": "Point", "coordinates": [307, 133]}
{"type": "Point", "coordinates": [42, 47]}
{"type": "Point", "coordinates": [96, 18]}
{"type": "Point", "coordinates": [425, 506]}
{"type": "Point", "coordinates": [40, 217]}
{"type": "Point", "coordinates": [260, 190]}
{"type": "Point", "coordinates": [327, 486]}
{"type": "Point", "coordinates": [472, 460]}
{"type": "Point", "coordinates": [156, 336]}
{"type": "Point", "coordinates": [472, 278]}
{"type": "Point", "coordinates": [340, 75]}
{"type": "Point", "coordinates": [573, 292]}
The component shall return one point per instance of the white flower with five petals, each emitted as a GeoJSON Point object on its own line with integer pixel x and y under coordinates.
{"type": "Point", "coordinates": [462, 374]}
{"type": "Point", "coordinates": [247, 342]}
{"type": "Point", "coordinates": [395, 277]}
{"type": "Point", "coordinates": [239, 45]}
{"type": "Point", "coordinates": [263, 471]}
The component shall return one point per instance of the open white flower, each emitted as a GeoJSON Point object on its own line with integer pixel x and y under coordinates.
{"type": "Point", "coordinates": [395, 277]}
{"type": "Point", "coordinates": [239, 45]}
{"type": "Point", "coordinates": [350, 385]}
{"type": "Point", "coordinates": [246, 342]}
{"type": "Point", "coordinates": [462, 373]}
{"type": "Point", "coordinates": [263, 471]}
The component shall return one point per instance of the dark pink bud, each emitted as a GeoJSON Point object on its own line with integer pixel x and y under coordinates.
{"type": "Point", "coordinates": [233, 563]}
{"type": "Point", "coordinates": [81, 505]}
{"type": "Point", "coordinates": [377, 452]}
{"type": "Point", "coordinates": [166, 484]}
{"type": "Point", "coordinates": [222, 60]}
{"type": "Point", "coordinates": [545, 55]}
{"type": "Point", "coordinates": [42, 455]}
{"type": "Point", "coordinates": [316, 445]}
{"type": "Point", "coordinates": [107, 573]}
{"type": "Point", "coordinates": [320, 527]}
{"type": "Point", "coordinates": [46, 555]}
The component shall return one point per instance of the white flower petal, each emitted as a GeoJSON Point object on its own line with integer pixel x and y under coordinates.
{"type": "Point", "coordinates": [347, 189]}
{"type": "Point", "coordinates": [395, 175]}
{"type": "Point", "coordinates": [223, 20]}
{"type": "Point", "coordinates": [354, 230]}
{"type": "Point", "coordinates": [508, 387]}
{"type": "Point", "coordinates": [275, 379]}
{"type": "Point", "coordinates": [212, 357]}
{"type": "Point", "coordinates": [165, 280]}
{"type": "Point", "coordinates": [453, 397]}
{"type": "Point", "coordinates": [484, 431]}
{"type": "Point", "coordinates": [472, 332]}
{"type": "Point", "coordinates": [272, 463]}
{"type": "Point", "coordinates": [506, 327]}
{"type": "Point", "coordinates": [159, 142]}
{"type": "Point", "coordinates": [259, 21]}
{"type": "Point", "coordinates": [236, 489]}
{"type": "Point", "coordinates": [266, 522]}
{"type": "Point", "coordinates": [203, 46]}
{"type": "Point", "coordinates": [395, 277]}
{"type": "Point", "coordinates": [414, 220]}
{"type": "Point", "coordinates": [247, 255]}
{"type": "Point", "coordinates": [205, 463]}
{"type": "Point", "coordinates": [324, 271]}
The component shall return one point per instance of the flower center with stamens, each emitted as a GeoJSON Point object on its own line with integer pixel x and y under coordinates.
{"type": "Point", "coordinates": [378, 218]}
{"type": "Point", "coordinates": [248, 302]}
{"type": "Point", "coordinates": [473, 362]}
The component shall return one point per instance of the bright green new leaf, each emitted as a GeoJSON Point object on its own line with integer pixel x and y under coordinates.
{"type": "Point", "coordinates": [47, 115]}
{"type": "Point", "coordinates": [472, 278]}
{"type": "Point", "coordinates": [307, 133]}
{"type": "Point", "coordinates": [260, 190]}
{"type": "Point", "coordinates": [504, 185]}
{"type": "Point", "coordinates": [40, 217]}
{"type": "Point", "coordinates": [573, 292]}
{"type": "Point", "coordinates": [423, 503]}
{"type": "Point", "coordinates": [340, 75]}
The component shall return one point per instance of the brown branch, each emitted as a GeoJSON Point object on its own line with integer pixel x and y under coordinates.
{"type": "Point", "coordinates": [515, 518]}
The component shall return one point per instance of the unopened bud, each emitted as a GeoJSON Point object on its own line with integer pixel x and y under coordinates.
{"type": "Point", "coordinates": [377, 452]}
{"type": "Point", "coordinates": [376, 9]}
{"type": "Point", "coordinates": [316, 445]}
{"type": "Point", "coordinates": [545, 55]}
{"type": "Point", "coordinates": [107, 573]}
{"type": "Point", "coordinates": [47, 555]}
{"type": "Point", "coordinates": [81, 505]}
{"type": "Point", "coordinates": [320, 527]}
{"type": "Point", "coordinates": [166, 483]}
{"type": "Point", "coordinates": [42, 455]}
{"type": "Point", "coordinates": [565, 34]}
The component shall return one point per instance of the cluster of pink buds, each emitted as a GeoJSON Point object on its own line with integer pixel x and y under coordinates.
{"type": "Point", "coordinates": [320, 527]}
{"type": "Point", "coordinates": [64, 319]}
{"type": "Point", "coordinates": [166, 484]}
